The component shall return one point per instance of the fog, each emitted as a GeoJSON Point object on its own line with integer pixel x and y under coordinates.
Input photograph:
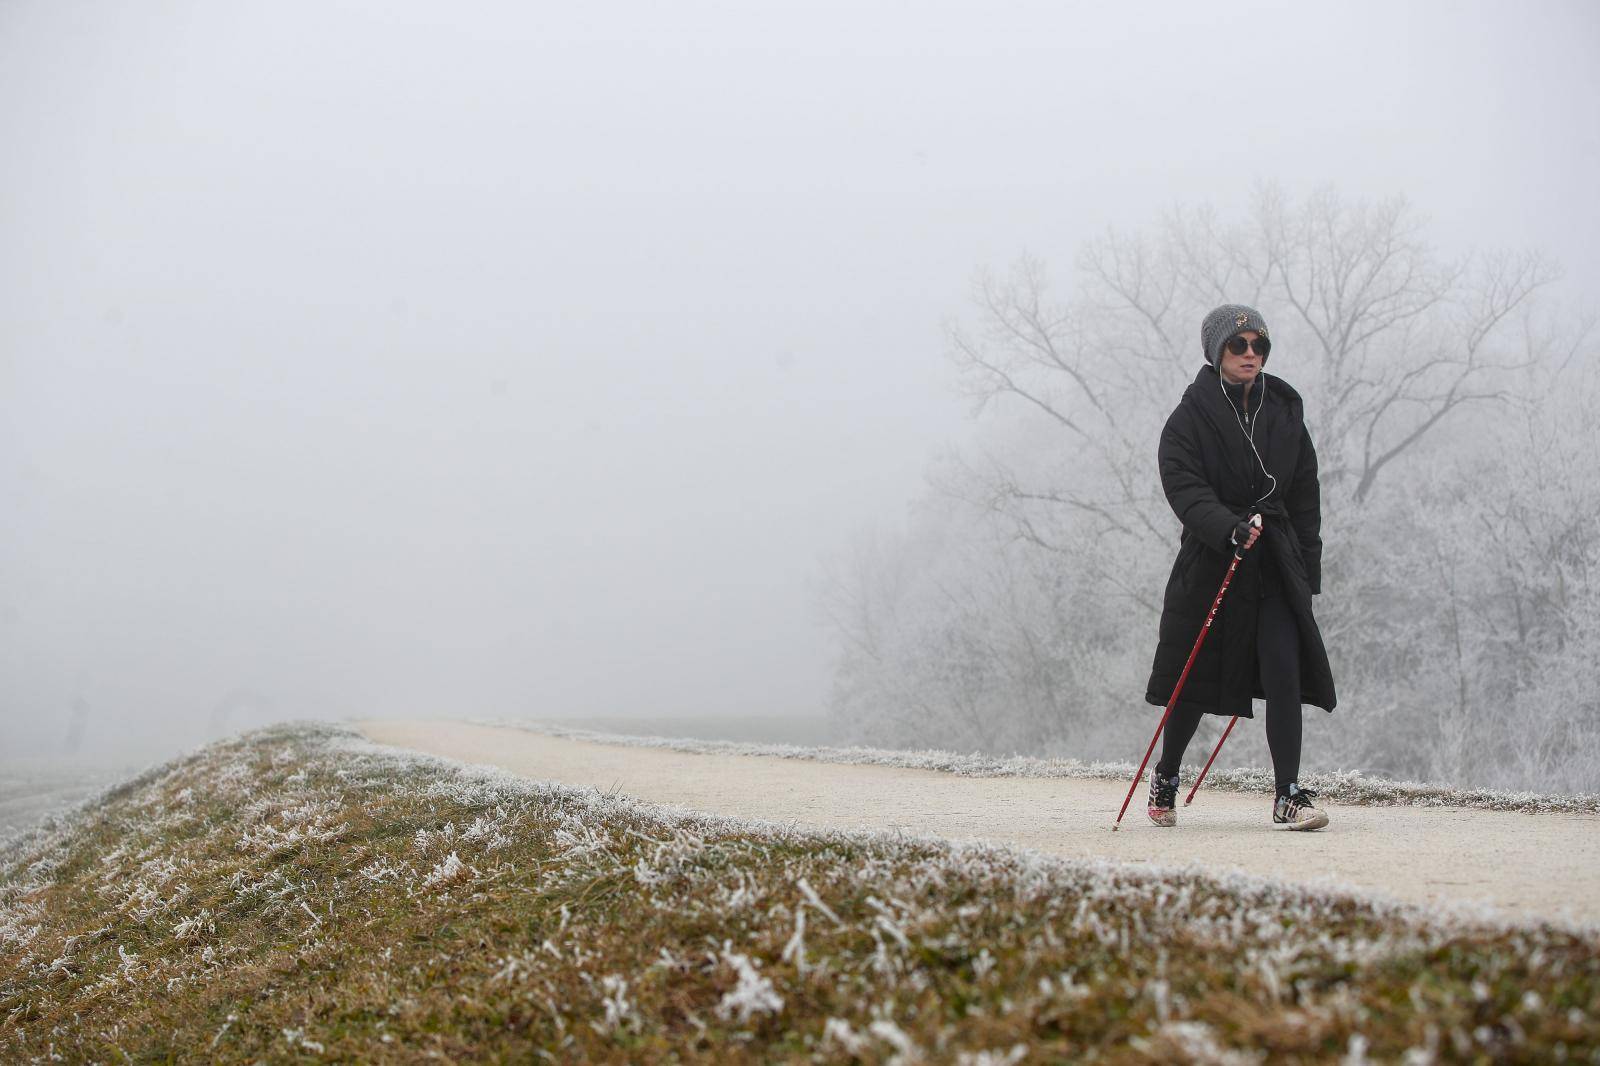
{"type": "Point", "coordinates": [502, 359]}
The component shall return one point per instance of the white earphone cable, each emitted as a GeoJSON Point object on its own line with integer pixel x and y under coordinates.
{"type": "Point", "coordinates": [1250, 432]}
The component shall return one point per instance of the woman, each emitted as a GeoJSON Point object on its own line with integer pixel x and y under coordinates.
{"type": "Point", "coordinates": [1237, 445]}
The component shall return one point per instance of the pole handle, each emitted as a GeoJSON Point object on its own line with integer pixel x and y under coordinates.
{"type": "Point", "coordinates": [1255, 520]}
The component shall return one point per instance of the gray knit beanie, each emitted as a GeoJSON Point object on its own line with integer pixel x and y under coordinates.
{"type": "Point", "coordinates": [1225, 323]}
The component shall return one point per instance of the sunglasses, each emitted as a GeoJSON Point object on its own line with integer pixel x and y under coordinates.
{"type": "Point", "coordinates": [1238, 346]}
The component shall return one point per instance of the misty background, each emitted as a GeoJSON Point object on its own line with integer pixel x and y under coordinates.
{"type": "Point", "coordinates": [495, 360]}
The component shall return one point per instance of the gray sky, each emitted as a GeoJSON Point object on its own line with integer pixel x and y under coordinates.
{"type": "Point", "coordinates": [500, 359]}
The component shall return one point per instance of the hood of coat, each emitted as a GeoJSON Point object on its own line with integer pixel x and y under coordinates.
{"type": "Point", "coordinates": [1212, 395]}
{"type": "Point", "coordinates": [1278, 408]}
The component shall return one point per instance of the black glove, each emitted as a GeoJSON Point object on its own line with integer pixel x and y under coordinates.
{"type": "Point", "coordinates": [1241, 532]}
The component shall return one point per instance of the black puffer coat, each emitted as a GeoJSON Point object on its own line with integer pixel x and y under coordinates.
{"type": "Point", "coordinates": [1211, 477]}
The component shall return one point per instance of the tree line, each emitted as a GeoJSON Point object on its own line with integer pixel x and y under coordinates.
{"type": "Point", "coordinates": [1451, 399]}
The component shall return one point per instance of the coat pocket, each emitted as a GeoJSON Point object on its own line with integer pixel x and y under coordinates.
{"type": "Point", "coordinates": [1183, 567]}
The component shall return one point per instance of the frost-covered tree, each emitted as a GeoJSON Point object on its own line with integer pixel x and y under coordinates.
{"type": "Point", "coordinates": [1018, 611]}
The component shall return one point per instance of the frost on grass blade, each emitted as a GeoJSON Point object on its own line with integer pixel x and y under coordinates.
{"type": "Point", "coordinates": [753, 994]}
{"type": "Point", "coordinates": [450, 869]}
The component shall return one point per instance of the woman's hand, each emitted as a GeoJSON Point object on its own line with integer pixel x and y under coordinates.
{"type": "Point", "coordinates": [1246, 533]}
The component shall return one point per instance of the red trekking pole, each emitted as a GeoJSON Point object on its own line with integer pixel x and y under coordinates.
{"type": "Point", "coordinates": [1190, 797]}
{"type": "Point", "coordinates": [1216, 605]}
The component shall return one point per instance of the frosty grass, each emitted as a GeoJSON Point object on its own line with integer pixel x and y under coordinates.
{"type": "Point", "coordinates": [300, 894]}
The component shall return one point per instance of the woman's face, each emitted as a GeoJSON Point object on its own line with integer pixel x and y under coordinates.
{"type": "Point", "coordinates": [1237, 369]}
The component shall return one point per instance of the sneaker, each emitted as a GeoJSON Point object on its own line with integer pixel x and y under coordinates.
{"type": "Point", "coordinates": [1163, 799]}
{"type": "Point", "coordinates": [1296, 808]}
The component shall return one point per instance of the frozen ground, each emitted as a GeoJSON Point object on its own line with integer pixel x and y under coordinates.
{"type": "Point", "coordinates": [1527, 865]}
{"type": "Point", "coordinates": [757, 729]}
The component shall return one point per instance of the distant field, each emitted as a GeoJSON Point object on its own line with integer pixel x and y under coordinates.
{"type": "Point", "coordinates": [33, 788]}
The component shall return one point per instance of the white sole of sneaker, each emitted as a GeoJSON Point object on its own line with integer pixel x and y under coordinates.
{"type": "Point", "coordinates": [1316, 821]}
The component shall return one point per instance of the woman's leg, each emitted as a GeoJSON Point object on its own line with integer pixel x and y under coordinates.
{"type": "Point", "coordinates": [1278, 649]}
{"type": "Point", "coordinates": [1175, 738]}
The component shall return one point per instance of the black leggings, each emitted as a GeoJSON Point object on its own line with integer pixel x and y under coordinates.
{"type": "Point", "coordinates": [1278, 651]}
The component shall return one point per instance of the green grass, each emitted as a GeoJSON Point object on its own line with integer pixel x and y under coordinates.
{"type": "Point", "coordinates": [298, 895]}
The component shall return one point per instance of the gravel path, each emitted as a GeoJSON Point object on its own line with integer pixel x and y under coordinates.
{"type": "Point", "coordinates": [1532, 865]}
